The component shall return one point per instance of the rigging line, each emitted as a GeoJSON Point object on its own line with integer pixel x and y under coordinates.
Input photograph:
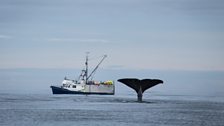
{"type": "Point", "coordinates": [94, 58]}
{"type": "Point", "coordinates": [97, 67]}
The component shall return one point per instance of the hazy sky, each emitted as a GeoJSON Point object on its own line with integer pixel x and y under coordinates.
{"type": "Point", "coordinates": [136, 34]}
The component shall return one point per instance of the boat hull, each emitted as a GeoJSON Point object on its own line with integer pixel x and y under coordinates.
{"type": "Point", "coordinates": [59, 90]}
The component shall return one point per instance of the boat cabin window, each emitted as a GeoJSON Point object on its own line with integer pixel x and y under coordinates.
{"type": "Point", "coordinates": [74, 86]}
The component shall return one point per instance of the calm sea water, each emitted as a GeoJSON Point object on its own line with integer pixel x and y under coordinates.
{"type": "Point", "coordinates": [93, 110]}
{"type": "Point", "coordinates": [186, 99]}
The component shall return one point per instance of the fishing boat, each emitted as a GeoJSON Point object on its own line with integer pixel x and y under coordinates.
{"type": "Point", "coordinates": [85, 83]}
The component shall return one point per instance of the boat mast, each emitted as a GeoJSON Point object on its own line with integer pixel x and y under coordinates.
{"type": "Point", "coordinates": [86, 73]}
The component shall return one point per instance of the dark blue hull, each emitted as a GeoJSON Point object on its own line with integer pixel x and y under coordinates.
{"type": "Point", "coordinates": [59, 90]}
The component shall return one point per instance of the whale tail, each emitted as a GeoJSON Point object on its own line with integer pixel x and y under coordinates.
{"type": "Point", "coordinates": [140, 85]}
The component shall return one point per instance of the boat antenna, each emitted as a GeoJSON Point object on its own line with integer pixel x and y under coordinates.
{"type": "Point", "coordinates": [96, 67]}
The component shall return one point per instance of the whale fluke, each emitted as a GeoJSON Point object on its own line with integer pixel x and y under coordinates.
{"type": "Point", "coordinates": [140, 85]}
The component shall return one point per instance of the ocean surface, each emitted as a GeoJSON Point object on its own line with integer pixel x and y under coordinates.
{"type": "Point", "coordinates": [187, 98]}
{"type": "Point", "coordinates": [93, 110]}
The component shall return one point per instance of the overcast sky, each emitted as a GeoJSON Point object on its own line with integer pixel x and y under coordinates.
{"type": "Point", "coordinates": [135, 34]}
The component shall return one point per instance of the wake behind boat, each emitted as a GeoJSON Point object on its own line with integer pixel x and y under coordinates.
{"type": "Point", "coordinates": [84, 84]}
